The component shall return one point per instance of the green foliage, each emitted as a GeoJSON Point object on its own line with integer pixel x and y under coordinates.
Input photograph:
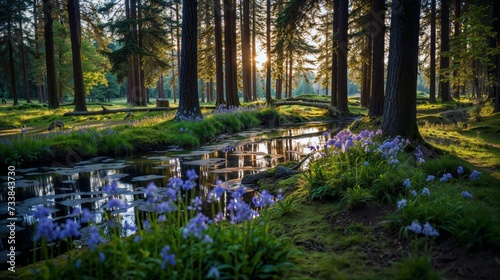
{"type": "Point", "coordinates": [417, 266]}
{"type": "Point", "coordinates": [356, 197]}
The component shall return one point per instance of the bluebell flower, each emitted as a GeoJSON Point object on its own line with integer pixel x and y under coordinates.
{"type": "Point", "coordinates": [446, 177]}
{"type": "Point", "coordinates": [213, 273]}
{"type": "Point", "coordinates": [460, 170]}
{"type": "Point", "coordinates": [428, 230]}
{"type": "Point", "coordinates": [407, 183]}
{"type": "Point", "coordinates": [162, 218]}
{"type": "Point", "coordinates": [475, 175]}
{"type": "Point", "coordinates": [167, 257]}
{"type": "Point", "coordinates": [402, 203]}
{"type": "Point", "coordinates": [48, 229]}
{"type": "Point", "coordinates": [413, 192]}
{"type": "Point", "coordinates": [151, 193]}
{"type": "Point", "coordinates": [175, 183]}
{"type": "Point", "coordinates": [466, 194]}
{"type": "Point", "coordinates": [219, 217]}
{"type": "Point", "coordinates": [128, 226]}
{"type": "Point", "coordinates": [265, 199]}
{"type": "Point", "coordinates": [425, 191]}
{"type": "Point", "coordinates": [366, 163]}
{"type": "Point", "coordinates": [102, 256]}
{"type": "Point", "coordinates": [191, 174]}
{"type": "Point", "coordinates": [414, 227]}
{"type": "Point", "coordinates": [216, 193]}
{"type": "Point", "coordinates": [430, 178]}
{"type": "Point", "coordinates": [196, 204]}
{"type": "Point", "coordinates": [41, 212]}
{"type": "Point", "coordinates": [94, 238]}
{"type": "Point", "coordinates": [69, 229]}
{"type": "Point", "coordinates": [165, 207]}
{"type": "Point", "coordinates": [116, 203]}
{"type": "Point", "coordinates": [87, 216]}
{"type": "Point", "coordinates": [112, 188]}
{"type": "Point", "coordinates": [137, 238]}
{"type": "Point", "coordinates": [326, 133]}
{"type": "Point", "coordinates": [420, 160]}
{"type": "Point", "coordinates": [146, 226]}
{"type": "Point", "coordinates": [207, 239]}
{"type": "Point", "coordinates": [196, 226]}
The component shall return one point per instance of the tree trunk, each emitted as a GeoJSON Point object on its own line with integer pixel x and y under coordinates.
{"type": "Point", "coordinates": [334, 99]}
{"type": "Point", "coordinates": [178, 18]}
{"type": "Point", "coordinates": [377, 72]}
{"type": "Point", "coordinates": [254, 51]}
{"type": "Point", "coordinates": [432, 78]}
{"type": "Point", "coordinates": [189, 106]}
{"type": "Point", "coordinates": [49, 55]}
{"type": "Point", "coordinates": [219, 74]}
{"type": "Point", "coordinates": [268, 52]}
{"type": "Point", "coordinates": [445, 46]}
{"type": "Point", "coordinates": [75, 32]}
{"type": "Point", "coordinates": [245, 53]}
{"type": "Point", "coordinates": [367, 65]}
{"type": "Point", "coordinates": [290, 75]}
{"type": "Point", "coordinates": [230, 53]}
{"type": "Point", "coordinates": [400, 110]}
{"type": "Point", "coordinates": [11, 64]}
{"type": "Point", "coordinates": [24, 67]}
{"type": "Point", "coordinates": [161, 93]}
{"type": "Point", "coordinates": [342, 56]}
{"type": "Point", "coordinates": [279, 87]}
{"type": "Point", "coordinates": [456, 86]}
{"type": "Point", "coordinates": [496, 28]}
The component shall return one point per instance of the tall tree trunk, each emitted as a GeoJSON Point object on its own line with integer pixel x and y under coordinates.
{"type": "Point", "coordinates": [290, 75]}
{"type": "Point", "coordinates": [432, 78]}
{"type": "Point", "coordinates": [230, 53]}
{"type": "Point", "coordinates": [219, 74]}
{"type": "Point", "coordinates": [334, 99]}
{"type": "Point", "coordinates": [496, 59]}
{"type": "Point", "coordinates": [245, 53]}
{"type": "Point", "coordinates": [279, 87]}
{"type": "Point", "coordinates": [268, 52]}
{"type": "Point", "coordinates": [456, 23]}
{"type": "Point", "coordinates": [342, 56]}
{"type": "Point", "coordinates": [189, 106]}
{"type": "Point", "coordinates": [367, 65]}
{"type": "Point", "coordinates": [37, 51]}
{"type": "Point", "coordinates": [377, 71]}
{"type": "Point", "coordinates": [23, 61]}
{"type": "Point", "coordinates": [178, 18]}
{"type": "Point", "coordinates": [161, 93]}
{"type": "Point", "coordinates": [400, 110]}
{"type": "Point", "coordinates": [445, 46]}
{"type": "Point", "coordinates": [254, 50]}
{"type": "Point", "coordinates": [49, 55]}
{"type": "Point", "coordinates": [76, 44]}
{"type": "Point", "coordinates": [11, 63]}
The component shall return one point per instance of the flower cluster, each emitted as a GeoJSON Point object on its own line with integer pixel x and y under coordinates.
{"type": "Point", "coordinates": [50, 230]}
{"type": "Point", "coordinates": [426, 230]}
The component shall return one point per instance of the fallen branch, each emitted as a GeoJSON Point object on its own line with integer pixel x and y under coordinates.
{"type": "Point", "coordinates": [113, 111]}
{"type": "Point", "coordinates": [332, 110]}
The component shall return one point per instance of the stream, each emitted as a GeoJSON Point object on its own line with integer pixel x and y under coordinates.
{"type": "Point", "coordinates": [62, 188]}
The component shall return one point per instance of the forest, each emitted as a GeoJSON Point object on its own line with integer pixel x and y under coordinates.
{"type": "Point", "coordinates": [252, 139]}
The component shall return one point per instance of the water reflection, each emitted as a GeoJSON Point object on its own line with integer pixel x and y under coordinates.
{"type": "Point", "coordinates": [62, 189]}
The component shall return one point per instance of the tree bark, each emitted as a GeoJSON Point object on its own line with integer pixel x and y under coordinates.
{"type": "Point", "coordinates": [400, 110]}
{"type": "Point", "coordinates": [24, 67]}
{"type": "Point", "coordinates": [49, 55]}
{"type": "Point", "coordinates": [377, 73]}
{"type": "Point", "coordinates": [342, 56]}
{"type": "Point", "coordinates": [230, 53]}
{"type": "Point", "coordinates": [444, 83]}
{"type": "Point", "coordinates": [367, 65]}
{"type": "Point", "coordinates": [456, 86]}
{"type": "Point", "coordinates": [76, 44]}
{"type": "Point", "coordinates": [432, 74]}
{"type": "Point", "coordinates": [496, 28]}
{"type": "Point", "coordinates": [245, 53]}
{"type": "Point", "coordinates": [268, 52]}
{"type": "Point", "coordinates": [11, 64]}
{"type": "Point", "coordinates": [189, 106]}
{"type": "Point", "coordinates": [334, 99]}
{"type": "Point", "coordinates": [219, 74]}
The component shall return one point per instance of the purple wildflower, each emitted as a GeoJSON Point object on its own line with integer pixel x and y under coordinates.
{"type": "Point", "coordinates": [116, 203]}
{"type": "Point", "coordinates": [425, 192]}
{"type": "Point", "coordinates": [112, 188]}
{"type": "Point", "coordinates": [86, 216]}
{"type": "Point", "coordinates": [430, 178]}
{"type": "Point", "coordinates": [413, 192]}
{"type": "Point", "coordinates": [216, 193]}
{"type": "Point", "coordinates": [102, 256]}
{"type": "Point", "coordinates": [265, 199]}
{"type": "Point", "coordinates": [41, 212]}
{"type": "Point", "coordinates": [428, 230]}
{"type": "Point", "coordinates": [460, 170]}
{"type": "Point", "coordinates": [151, 193]}
{"type": "Point", "coordinates": [407, 183]}
{"type": "Point", "coordinates": [213, 273]}
{"type": "Point", "coordinates": [48, 229]}
{"type": "Point", "coordinates": [94, 238]}
{"type": "Point", "coordinates": [402, 203]}
{"type": "Point", "coordinates": [69, 229]}
{"type": "Point", "coordinates": [466, 194]}
{"type": "Point", "coordinates": [446, 177]}
{"type": "Point", "coordinates": [196, 204]}
{"type": "Point", "coordinates": [414, 227]}
{"type": "Point", "coordinates": [167, 257]}
{"type": "Point", "coordinates": [196, 226]}
{"type": "Point", "coordinates": [475, 175]}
